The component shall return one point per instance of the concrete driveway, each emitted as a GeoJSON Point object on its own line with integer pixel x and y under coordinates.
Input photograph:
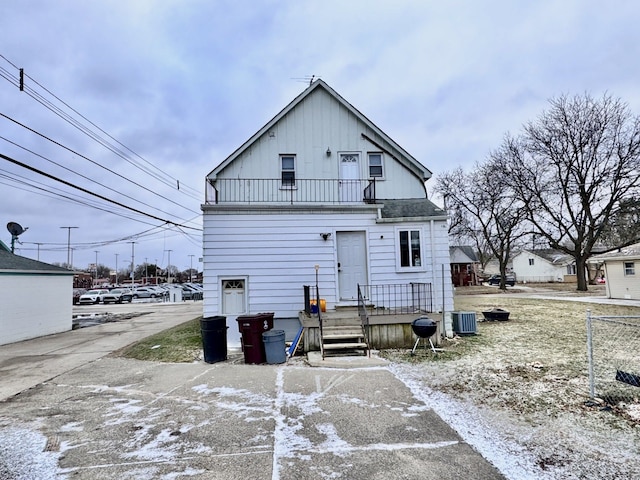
{"type": "Point", "coordinates": [83, 414]}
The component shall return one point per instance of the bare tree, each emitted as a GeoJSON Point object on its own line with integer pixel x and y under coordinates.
{"type": "Point", "coordinates": [574, 168]}
{"type": "Point", "coordinates": [492, 215]}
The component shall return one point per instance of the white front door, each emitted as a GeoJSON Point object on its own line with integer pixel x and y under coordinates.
{"type": "Point", "coordinates": [352, 263]}
{"type": "Point", "coordinates": [349, 177]}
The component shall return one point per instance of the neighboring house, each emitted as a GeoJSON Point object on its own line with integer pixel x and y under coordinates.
{"type": "Point", "coordinates": [464, 266]}
{"type": "Point", "coordinates": [622, 272]}
{"type": "Point", "coordinates": [319, 195]}
{"type": "Point", "coordinates": [544, 265]}
{"type": "Point", "coordinates": [36, 298]}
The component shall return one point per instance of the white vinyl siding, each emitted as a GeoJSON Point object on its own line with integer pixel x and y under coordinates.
{"type": "Point", "coordinates": [22, 318]}
{"type": "Point", "coordinates": [277, 252]}
{"type": "Point", "coordinates": [316, 124]}
{"type": "Point", "coordinates": [619, 283]}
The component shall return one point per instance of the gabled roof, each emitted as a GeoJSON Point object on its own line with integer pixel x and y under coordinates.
{"type": "Point", "coordinates": [466, 250]}
{"type": "Point", "coordinates": [632, 252]}
{"type": "Point", "coordinates": [405, 158]}
{"type": "Point", "coordinates": [10, 263]}
{"type": "Point", "coordinates": [554, 257]}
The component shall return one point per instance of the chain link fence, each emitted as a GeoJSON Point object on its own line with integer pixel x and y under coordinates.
{"type": "Point", "coordinates": [613, 350]}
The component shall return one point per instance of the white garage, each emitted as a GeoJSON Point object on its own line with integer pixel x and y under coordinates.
{"type": "Point", "coordinates": [36, 298]}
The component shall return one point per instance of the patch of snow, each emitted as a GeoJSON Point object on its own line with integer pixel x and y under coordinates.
{"type": "Point", "coordinates": [22, 456]}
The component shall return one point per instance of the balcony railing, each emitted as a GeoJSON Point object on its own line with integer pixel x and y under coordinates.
{"type": "Point", "coordinates": [272, 190]}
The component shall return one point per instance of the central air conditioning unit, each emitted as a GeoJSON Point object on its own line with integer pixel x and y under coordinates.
{"type": "Point", "coordinates": [464, 322]}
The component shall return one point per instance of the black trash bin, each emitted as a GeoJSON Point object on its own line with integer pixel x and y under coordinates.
{"type": "Point", "coordinates": [251, 328]}
{"type": "Point", "coordinates": [214, 338]}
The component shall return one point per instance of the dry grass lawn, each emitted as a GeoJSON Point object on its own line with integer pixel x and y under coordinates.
{"type": "Point", "coordinates": [529, 377]}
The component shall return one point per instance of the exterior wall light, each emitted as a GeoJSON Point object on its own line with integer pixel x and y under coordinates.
{"type": "Point", "coordinates": [325, 236]}
{"type": "Point", "coordinates": [328, 152]}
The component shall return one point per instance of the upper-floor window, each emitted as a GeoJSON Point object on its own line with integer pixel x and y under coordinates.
{"type": "Point", "coordinates": [629, 268]}
{"type": "Point", "coordinates": [288, 170]}
{"type": "Point", "coordinates": [375, 165]}
{"type": "Point", "coordinates": [410, 251]}
{"type": "Point", "coordinates": [531, 261]}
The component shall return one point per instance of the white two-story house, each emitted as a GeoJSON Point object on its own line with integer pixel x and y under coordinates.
{"type": "Point", "coordinates": [321, 197]}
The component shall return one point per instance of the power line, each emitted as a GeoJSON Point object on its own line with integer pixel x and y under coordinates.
{"type": "Point", "coordinates": [92, 161]}
{"type": "Point", "coordinates": [153, 171]}
{"type": "Point", "coordinates": [40, 172]}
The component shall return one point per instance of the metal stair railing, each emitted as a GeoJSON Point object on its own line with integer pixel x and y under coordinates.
{"type": "Point", "coordinates": [364, 320]}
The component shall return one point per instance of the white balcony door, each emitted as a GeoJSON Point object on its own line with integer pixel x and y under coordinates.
{"type": "Point", "coordinates": [349, 177]}
{"type": "Point", "coordinates": [352, 263]}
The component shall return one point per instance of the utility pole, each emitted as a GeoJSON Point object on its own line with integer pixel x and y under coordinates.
{"type": "Point", "coordinates": [146, 271]}
{"type": "Point", "coordinates": [156, 271]}
{"type": "Point", "coordinates": [132, 264]}
{"type": "Point", "coordinates": [169, 267]}
{"type": "Point", "coordinates": [38, 244]}
{"type": "Point", "coordinates": [117, 269]}
{"type": "Point", "coordinates": [96, 281]}
{"type": "Point", "coordinates": [191, 270]}
{"type": "Point", "coordinates": [69, 246]}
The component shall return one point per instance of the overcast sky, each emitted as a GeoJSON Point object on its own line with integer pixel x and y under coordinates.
{"type": "Point", "coordinates": [176, 86]}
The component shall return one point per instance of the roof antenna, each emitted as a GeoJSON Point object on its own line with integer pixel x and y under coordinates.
{"type": "Point", "coordinates": [311, 79]}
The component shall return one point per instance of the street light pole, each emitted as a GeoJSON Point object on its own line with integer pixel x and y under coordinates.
{"type": "Point", "coordinates": [69, 246]}
{"type": "Point", "coordinates": [169, 267]}
{"type": "Point", "coordinates": [146, 271]}
{"type": "Point", "coordinates": [191, 270]}
{"type": "Point", "coordinates": [132, 264]}
{"type": "Point", "coordinates": [117, 269]}
{"type": "Point", "coordinates": [96, 281]}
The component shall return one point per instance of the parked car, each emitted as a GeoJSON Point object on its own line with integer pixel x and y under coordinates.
{"type": "Point", "coordinates": [118, 295]}
{"type": "Point", "coordinates": [146, 292]}
{"type": "Point", "coordinates": [77, 292]}
{"type": "Point", "coordinates": [495, 280]}
{"type": "Point", "coordinates": [93, 296]}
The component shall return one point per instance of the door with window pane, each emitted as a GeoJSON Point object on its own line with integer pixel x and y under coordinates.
{"type": "Point", "coordinates": [349, 177]}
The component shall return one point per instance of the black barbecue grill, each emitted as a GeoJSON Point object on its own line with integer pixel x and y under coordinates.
{"type": "Point", "coordinates": [424, 327]}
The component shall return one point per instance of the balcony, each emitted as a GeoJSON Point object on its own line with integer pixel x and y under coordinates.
{"type": "Point", "coordinates": [301, 191]}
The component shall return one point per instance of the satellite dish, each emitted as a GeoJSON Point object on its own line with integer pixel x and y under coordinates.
{"type": "Point", "coordinates": [15, 229]}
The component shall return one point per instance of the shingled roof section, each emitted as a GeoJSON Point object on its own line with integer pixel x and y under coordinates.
{"type": "Point", "coordinates": [10, 263]}
{"type": "Point", "coordinates": [466, 250]}
{"type": "Point", "coordinates": [411, 208]}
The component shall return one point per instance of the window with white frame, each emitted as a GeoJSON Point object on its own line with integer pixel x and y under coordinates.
{"type": "Point", "coordinates": [375, 165]}
{"type": "Point", "coordinates": [629, 268]}
{"type": "Point", "coordinates": [571, 269]}
{"type": "Point", "coordinates": [410, 251]}
{"type": "Point", "coordinates": [288, 170]}
{"type": "Point", "coordinates": [531, 262]}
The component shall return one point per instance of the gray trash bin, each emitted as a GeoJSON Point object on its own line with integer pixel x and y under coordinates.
{"type": "Point", "coordinates": [274, 346]}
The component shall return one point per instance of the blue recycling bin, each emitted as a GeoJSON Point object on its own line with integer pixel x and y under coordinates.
{"type": "Point", "coordinates": [274, 346]}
